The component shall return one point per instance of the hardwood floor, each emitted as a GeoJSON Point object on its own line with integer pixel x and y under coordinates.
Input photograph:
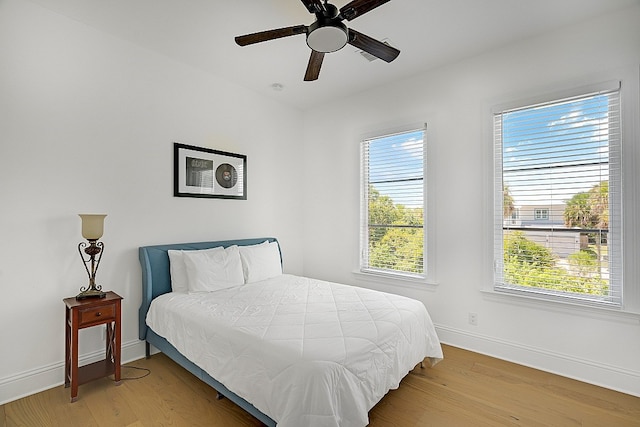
{"type": "Point", "coordinates": [466, 389]}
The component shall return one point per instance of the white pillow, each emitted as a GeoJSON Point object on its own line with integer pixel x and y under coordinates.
{"type": "Point", "coordinates": [179, 280]}
{"type": "Point", "coordinates": [260, 262]}
{"type": "Point", "coordinates": [178, 271]}
{"type": "Point", "coordinates": [209, 271]}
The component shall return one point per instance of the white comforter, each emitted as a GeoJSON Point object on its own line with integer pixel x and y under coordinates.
{"type": "Point", "coordinates": [304, 352]}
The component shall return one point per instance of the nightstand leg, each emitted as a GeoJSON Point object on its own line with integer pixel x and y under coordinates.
{"type": "Point", "coordinates": [67, 348]}
{"type": "Point", "coordinates": [117, 349]}
{"type": "Point", "coordinates": [74, 356]}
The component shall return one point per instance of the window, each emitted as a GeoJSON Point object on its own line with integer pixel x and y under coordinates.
{"type": "Point", "coordinates": [542, 214]}
{"type": "Point", "coordinates": [558, 166]}
{"type": "Point", "coordinates": [392, 204]}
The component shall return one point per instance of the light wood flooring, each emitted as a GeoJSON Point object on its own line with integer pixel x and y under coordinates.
{"type": "Point", "coordinates": [466, 389]}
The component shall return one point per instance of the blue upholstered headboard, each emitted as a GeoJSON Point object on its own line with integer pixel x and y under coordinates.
{"type": "Point", "coordinates": [156, 277]}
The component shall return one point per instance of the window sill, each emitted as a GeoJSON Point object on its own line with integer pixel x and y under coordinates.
{"type": "Point", "coordinates": [563, 306]}
{"type": "Point", "coordinates": [417, 283]}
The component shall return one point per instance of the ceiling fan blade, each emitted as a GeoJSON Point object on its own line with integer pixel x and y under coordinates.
{"type": "Point", "coordinates": [313, 69]}
{"type": "Point", "coordinates": [313, 6]}
{"type": "Point", "coordinates": [359, 7]}
{"type": "Point", "coordinates": [373, 46]}
{"type": "Point", "coordinates": [263, 36]}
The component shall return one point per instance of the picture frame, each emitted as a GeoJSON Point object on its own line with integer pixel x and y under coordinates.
{"type": "Point", "coordinates": [208, 173]}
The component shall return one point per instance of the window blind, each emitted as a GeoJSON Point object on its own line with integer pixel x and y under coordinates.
{"type": "Point", "coordinates": [392, 214]}
{"type": "Point", "coordinates": [558, 214]}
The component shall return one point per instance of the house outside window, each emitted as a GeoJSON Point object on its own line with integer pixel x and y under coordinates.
{"type": "Point", "coordinates": [392, 237]}
{"type": "Point", "coordinates": [559, 162]}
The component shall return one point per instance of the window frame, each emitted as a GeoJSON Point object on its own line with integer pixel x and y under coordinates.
{"type": "Point", "coordinates": [398, 278]}
{"type": "Point", "coordinates": [497, 287]}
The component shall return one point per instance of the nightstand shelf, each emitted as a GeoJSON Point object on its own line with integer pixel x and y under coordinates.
{"type": "Point", "coordinates": [95, 370]}
{"type": "Point", "coordinates": [86, 313]}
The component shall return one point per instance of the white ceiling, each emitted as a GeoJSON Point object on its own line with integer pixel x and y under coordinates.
{"type": "Point", "coordinates": [429, 34]}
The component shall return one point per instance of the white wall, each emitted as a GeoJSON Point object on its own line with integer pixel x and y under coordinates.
{"type": "Point", "coordinates": [596, 346]}
{"type": "Point", "coordinates": [87, 124]}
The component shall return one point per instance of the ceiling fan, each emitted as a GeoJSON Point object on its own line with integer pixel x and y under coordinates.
{"type": "Point", "coordinates": [328, 33]}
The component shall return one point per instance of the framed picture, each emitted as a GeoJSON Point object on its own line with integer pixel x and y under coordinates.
{"type": "Point", "coordinates": [202, 172]}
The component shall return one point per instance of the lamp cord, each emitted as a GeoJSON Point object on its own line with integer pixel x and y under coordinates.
{"type": "Point", "coordinates": [146, 370]}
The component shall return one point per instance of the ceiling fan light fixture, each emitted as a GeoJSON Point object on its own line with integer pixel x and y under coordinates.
{"type": "Point", "coordinates": [327, 38]}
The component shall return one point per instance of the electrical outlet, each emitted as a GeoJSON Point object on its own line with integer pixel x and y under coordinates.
{"type": "Point", "coordinates": [473, 319]}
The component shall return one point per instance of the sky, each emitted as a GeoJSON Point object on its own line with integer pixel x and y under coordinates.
{"type": "Point", "coordinates": [396, 167]}
{"type": "Point", "coordinates": [552, 152]}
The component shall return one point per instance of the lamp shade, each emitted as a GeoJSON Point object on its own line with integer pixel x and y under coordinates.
{"type": "Point", "coordinates": [92, 226]}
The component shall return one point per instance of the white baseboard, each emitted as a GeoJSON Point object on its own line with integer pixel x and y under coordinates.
{"type": "Point", "coordinates": [46, 377]}
{"type": "Point", "coordinates": [623, 380]}
{"type": "Point", "coordinates": [588, 371]}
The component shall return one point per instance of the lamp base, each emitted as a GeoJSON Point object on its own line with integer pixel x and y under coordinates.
{"type": "Point", "coordinates": [91, 293]}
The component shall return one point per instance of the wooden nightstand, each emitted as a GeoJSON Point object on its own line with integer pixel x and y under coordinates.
{"type": "Point", "coordinates": [80, 314]}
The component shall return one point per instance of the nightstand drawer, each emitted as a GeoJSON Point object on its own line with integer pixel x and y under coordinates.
{"type": "Point", "coordinates": [92, 315]}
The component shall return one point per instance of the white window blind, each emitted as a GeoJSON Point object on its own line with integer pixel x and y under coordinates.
{"type": "Point", "coordinates": [558, 168]}
{"type": "Point", "coordinates": [392, 204]}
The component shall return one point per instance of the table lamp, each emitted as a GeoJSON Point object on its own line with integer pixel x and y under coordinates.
{"type": "Point", "coordinates": [92, 229]}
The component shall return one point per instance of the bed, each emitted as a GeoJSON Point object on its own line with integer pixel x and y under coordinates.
{"type": "Point", "coordinates": [289, 350]}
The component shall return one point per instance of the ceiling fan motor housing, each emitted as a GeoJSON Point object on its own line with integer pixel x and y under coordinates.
{"type": "Point", "coordinates": [328, 33]}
